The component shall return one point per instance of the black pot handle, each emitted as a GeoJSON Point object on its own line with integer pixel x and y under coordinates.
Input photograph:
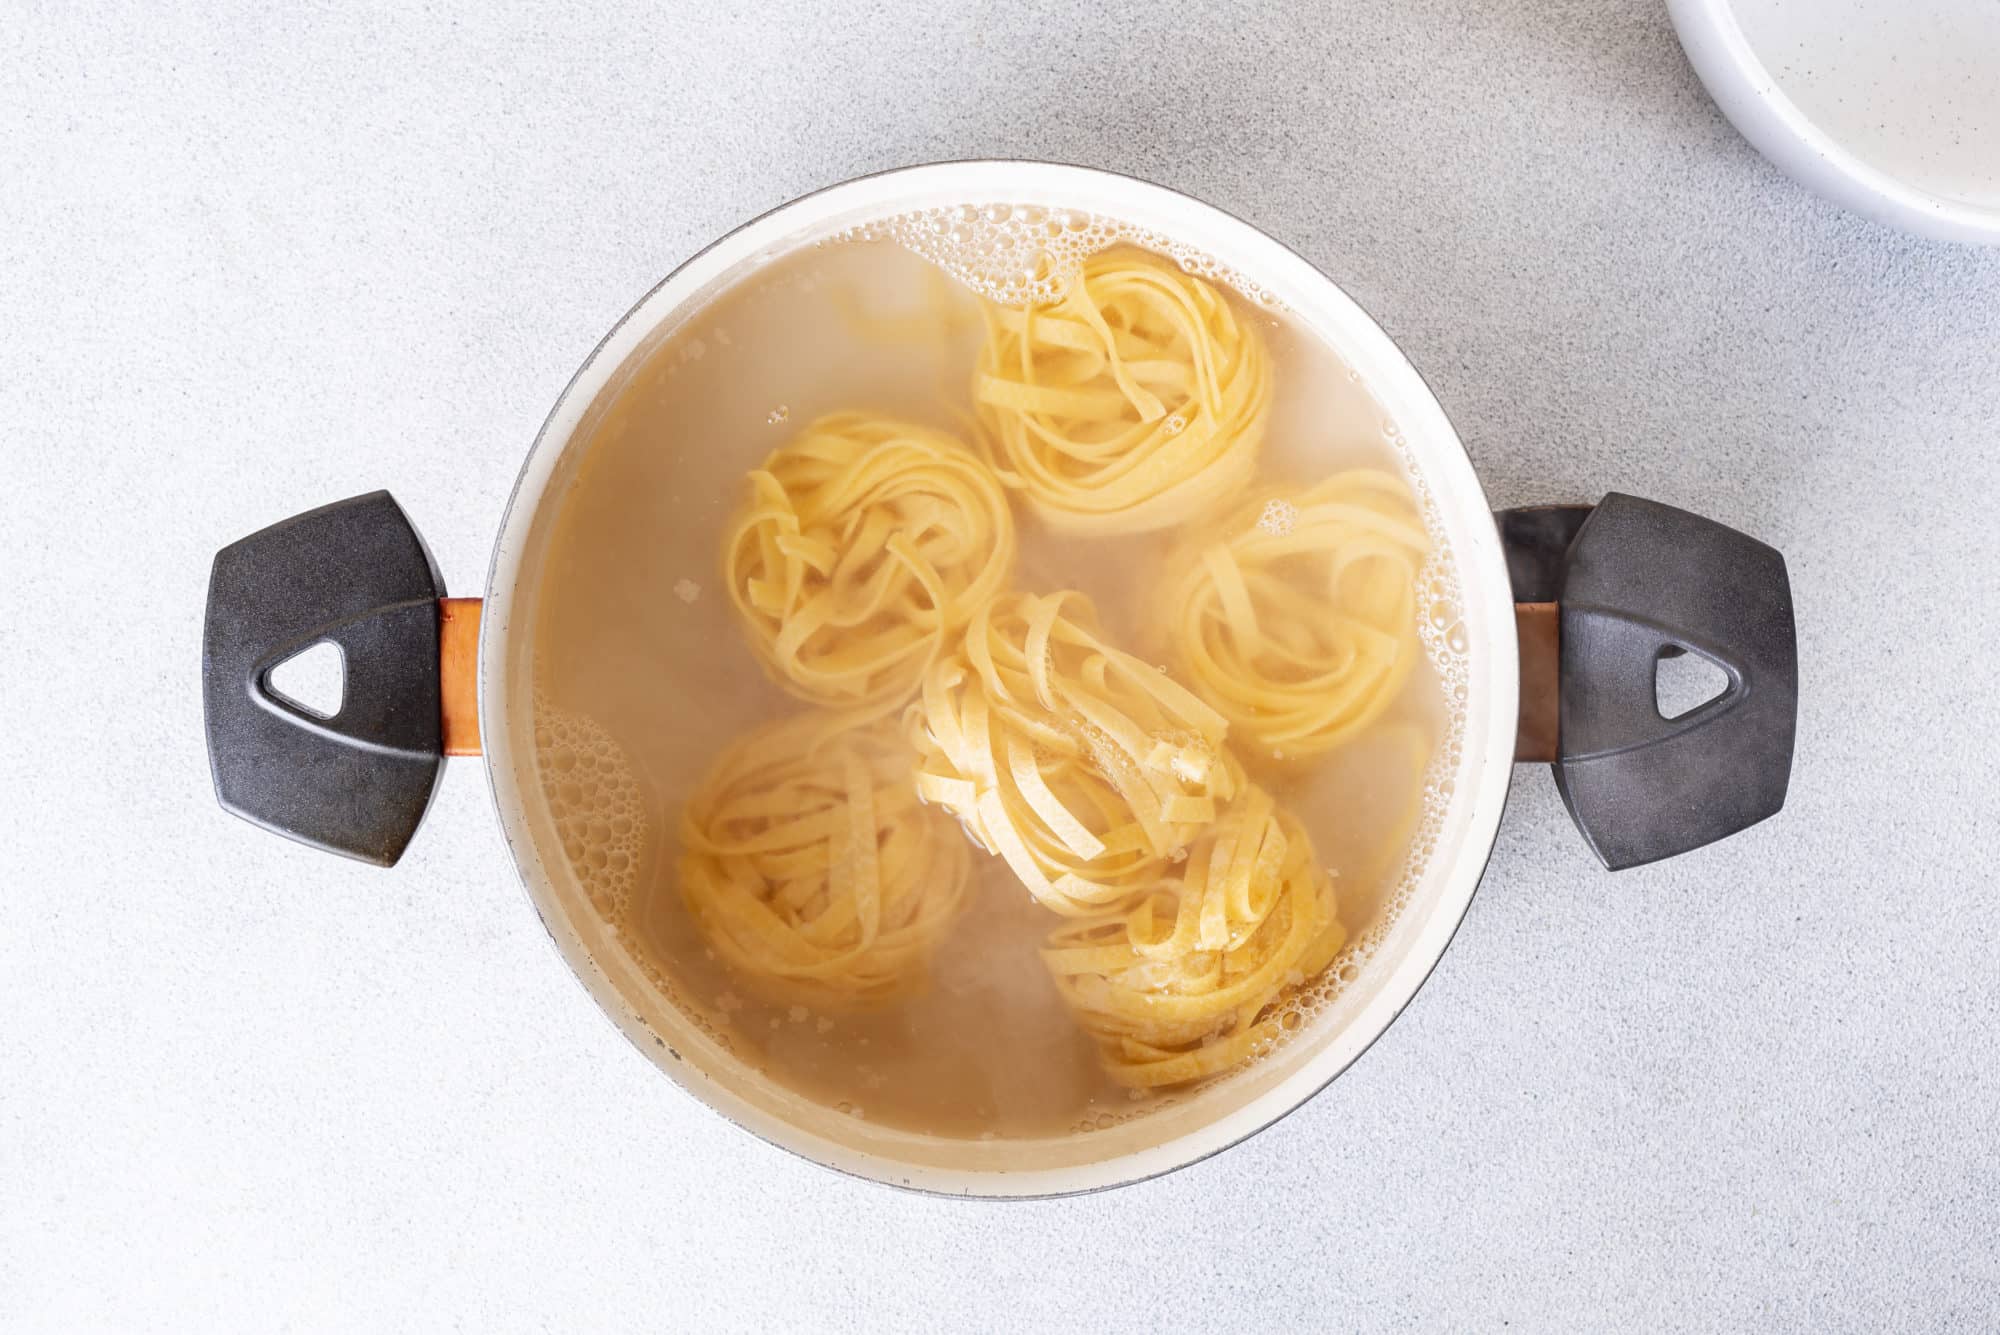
{"type": "Point", "coordinates": [356, 574]}
{"type": "Point", "coordinates": [1631, 582]}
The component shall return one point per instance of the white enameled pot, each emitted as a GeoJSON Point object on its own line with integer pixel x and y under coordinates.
{"type": "Point", "coordinates": [1652, 582]}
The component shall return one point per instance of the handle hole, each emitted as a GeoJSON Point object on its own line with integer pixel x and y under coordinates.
{"type": "Point", "coordinates": [313, 680]}
{"type": "Point", "coordinates": [1685, 680]}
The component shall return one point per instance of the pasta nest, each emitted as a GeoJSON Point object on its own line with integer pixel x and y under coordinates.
{"type": "Point", "coordinates": [812, 870]}
{"type": "Point", "coordinates": [866, 545]}
{"type": "Point", "coordinates": [1135, 402]}
{"type": "Point", "coordinates": [1181, 984]}
{"type": "Point", "coordinates": [1296, 617]}
{"type": "Point", "coordinates": [1086, 769]}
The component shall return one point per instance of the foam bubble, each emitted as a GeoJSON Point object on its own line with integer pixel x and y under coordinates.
{"type": "Point", "coordinates": [1279, 518]}
{"type": "Point", "coordinates": [595, 799]}
{"type": "Point", "coordinates": [598, 807]}
{"type": "Point", "coordinates": [1018, 254]}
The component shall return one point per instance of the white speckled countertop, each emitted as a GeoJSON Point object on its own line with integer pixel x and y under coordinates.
{"type": "Point", "coordinates": [258, 257]}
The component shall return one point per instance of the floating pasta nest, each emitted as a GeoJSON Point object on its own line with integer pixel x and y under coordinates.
{"type": "Point", "coordinates": [869, 569]}
{"type": "Point", "coordinates": [867, 543]}
{"type": "Point", "coordinates": [812, 870]}
{"type": "Point", "coordinates": [1135, 402]}
{"type": "Point", "coordinates": [1183, 983]}
{"type": "Point", "coordinates": [1296, 617]}
{"type": "Point", "coordinates": [1086, 769]}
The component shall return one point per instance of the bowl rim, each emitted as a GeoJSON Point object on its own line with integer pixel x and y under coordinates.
{"type": "Point", "coordinates": [1757, 104]}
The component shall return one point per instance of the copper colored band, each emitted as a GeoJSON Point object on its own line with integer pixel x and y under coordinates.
{"type": "Point", "coordinates": [1539, 626]}
{"type": "Point", "coordinates": [458, 674]}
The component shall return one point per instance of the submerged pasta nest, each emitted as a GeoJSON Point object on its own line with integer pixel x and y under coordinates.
{"type": "Point", "coordinates": [810, 867]}
{"type": "Point", "coordinates": [865, 545]}
{"type": "Point", "coordinates": [1083, 767]}
{"type": "Point", "coordinates": [1135, 402]}
{"type": "Point", "coordinates": [1296, 618]}
{"type": "Point", "coordinates": [870, 566]}
{"type": "Point", "coordinates": [1182, 984]}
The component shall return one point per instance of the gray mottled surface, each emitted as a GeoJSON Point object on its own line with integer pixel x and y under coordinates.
{"type": "Point", "coordinates": [257, 257]}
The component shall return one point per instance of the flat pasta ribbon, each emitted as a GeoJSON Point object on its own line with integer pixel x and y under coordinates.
{"type": "Point", "coordinates": [1181, 984]}
{"type": "Point", "coordinates": [1135, 402]}
{"type": "Point", "coordinates": [1086, 769]}
{"type": "Point", "coordinates": [812, 870]}
{"type": "Point", "coordinates": [1296, 618]}
{"type": "Point", "coordinates": [866, 544]}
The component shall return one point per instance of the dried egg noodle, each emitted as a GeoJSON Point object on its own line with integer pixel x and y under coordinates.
{"type": "Point", "coordinates": [810, 867]}
{"type": "Point", "coordinates": [1134, 402]}
{"type": "Point", "coordinates": [1148, 918]}
{"type": "Point", "coordinates": [866, 543]}
{"type": "Point", "coordinates": [1085, 768]}
{"type": "Point", "coordinates": [1296, 618]}
{"type": "Point", "coordinates": [1176, 988]}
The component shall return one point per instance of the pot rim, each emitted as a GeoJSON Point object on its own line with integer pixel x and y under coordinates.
{"type": "Point", "coordinates": [1482, 574]}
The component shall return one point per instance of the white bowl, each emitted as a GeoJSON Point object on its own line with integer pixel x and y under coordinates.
{"type": "Point", "coordinates": [1890, 107]}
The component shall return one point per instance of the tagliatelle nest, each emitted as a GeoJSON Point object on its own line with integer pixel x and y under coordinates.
{"type": "Point", "coordinates": [867, 543]}
{"type": "Point", "coordinates": [810, 867]}
{"type": "Point", "coordinates": [1181, 984]}
{"type": "Point", "coordinates": [1295, 618]}
{"type": "Point", "coordinates": [1086, 769]}
{"type": "Point", "coordinates": [1136, 402]}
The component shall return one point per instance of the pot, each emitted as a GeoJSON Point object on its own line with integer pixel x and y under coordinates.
{"type": "Point", "coordinates": [1567, 612]}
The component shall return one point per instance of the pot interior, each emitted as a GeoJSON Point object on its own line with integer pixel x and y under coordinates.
{"type": "Point", "coordinates": [612, 673]}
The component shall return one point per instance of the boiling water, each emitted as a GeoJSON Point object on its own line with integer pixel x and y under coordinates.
{"type": "Point", "coordinates": [642, 675]}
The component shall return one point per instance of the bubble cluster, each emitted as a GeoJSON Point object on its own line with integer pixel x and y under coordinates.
{"type": "Point", "coordinates": [1279, 518]}
{"type": "Point", "coordinates": [1018, 254]}
{"type": "Point", "coordinates": [595, 800]}
{"type": "Point", "coordinates": [1105, 1121]}
{"type": "Point", "coordinates": [599, 810]}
